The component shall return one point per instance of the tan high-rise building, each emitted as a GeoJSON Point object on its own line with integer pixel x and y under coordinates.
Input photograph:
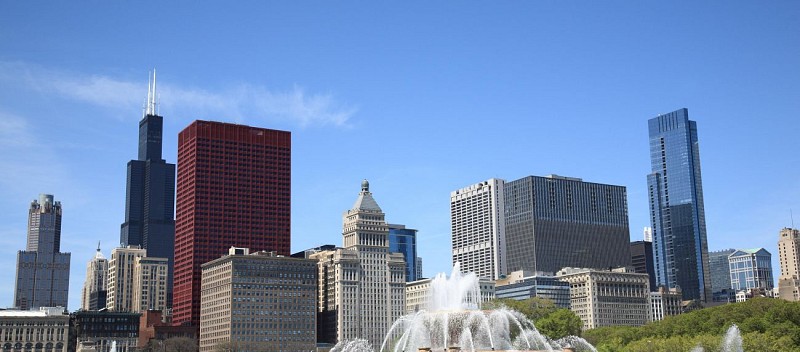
{"type": "Point", "coordinates": [94, 288]}
{"type": "Point", "coordinates": [136, 282]}
{"type": "Point", "coordinates": [361, 286]}
{"type": "Point", "coordinates": [258, 302]}
{"type": "Point", "coordinates": [608, 298]}
{"type": "Point", "coordinates": [789, 256]}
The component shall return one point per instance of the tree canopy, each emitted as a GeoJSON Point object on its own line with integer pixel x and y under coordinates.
{"type": "Point", "coordinates": [766, 324]}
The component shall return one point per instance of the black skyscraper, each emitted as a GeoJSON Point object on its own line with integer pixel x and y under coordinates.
{"type": "Point", "coordinates": [150, 194]}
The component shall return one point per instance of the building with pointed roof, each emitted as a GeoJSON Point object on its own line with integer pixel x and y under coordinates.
{"type": "Point", "coordinates": [361, 289]}
{"type": "Point", "coordinates": [751, 269]}
{"type": "Point", "coordinates": [94, 288]}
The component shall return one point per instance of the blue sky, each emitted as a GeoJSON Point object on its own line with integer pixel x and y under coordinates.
{"type": "Point", "coordinates": [419, 97]}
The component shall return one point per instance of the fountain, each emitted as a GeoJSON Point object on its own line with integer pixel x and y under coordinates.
{"type": "Point", "coordinates": [455, 322]}
{"type": "Point", "coordinates": [731, 343]}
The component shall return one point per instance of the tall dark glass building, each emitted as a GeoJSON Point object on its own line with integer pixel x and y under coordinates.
{"type": "Point", "coordinates": [680, 248]}
{"type": "Point", "coordinates": [150, 194]}
{"type": "Point", "coordinates": [642, 261]}
{"type": "Point", "coordinates": [404, 240]}
{"type": "Point", "coordinates": [555, 222]}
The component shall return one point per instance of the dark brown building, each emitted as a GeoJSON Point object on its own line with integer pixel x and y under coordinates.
{"type": "Point", "coordinates": [234, 185]}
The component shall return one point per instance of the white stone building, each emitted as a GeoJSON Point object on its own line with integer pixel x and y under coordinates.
{"type": "Point", "coordinates": [478, 228]}
{"type": "Point", "coordinates": [665, 303]}
{"type": "Point", "coordinates": [608, 298]}
{"type": "Point", "coordinates": [45, 330]}
{"type": "Point", "coordinates": [361, 288]}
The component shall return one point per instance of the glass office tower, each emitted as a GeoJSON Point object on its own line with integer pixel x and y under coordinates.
{"type": "Point", "coordinates": [680, 248]}
{"type": "Point", "coordinates": [404, 240]}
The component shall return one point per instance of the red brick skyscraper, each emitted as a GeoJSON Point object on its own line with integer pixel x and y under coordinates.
{"type": "Point", "coordinates": [234, 185]}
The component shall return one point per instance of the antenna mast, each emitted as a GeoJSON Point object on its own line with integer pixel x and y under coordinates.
{"type": "Point", "coordinates": [150, 106]}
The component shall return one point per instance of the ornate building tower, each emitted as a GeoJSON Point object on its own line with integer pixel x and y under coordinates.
{"type": "Point", "coordinates": [361, 286]}
{"type": "Point", "coordinates": [94, 288]}
{"type": "Point", "coordinates": [42, 270]}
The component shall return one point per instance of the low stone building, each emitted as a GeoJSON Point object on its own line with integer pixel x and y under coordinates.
{"type": "Point", "coordinates": [608, 297]}
{"type": "Point", "coordinates": [45, 330]}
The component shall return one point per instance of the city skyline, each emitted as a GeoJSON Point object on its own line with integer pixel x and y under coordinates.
{"type": "Point", "coordinates": [534, 89]}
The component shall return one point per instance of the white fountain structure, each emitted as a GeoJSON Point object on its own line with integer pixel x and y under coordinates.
{"type": "Point", "coordinates": [455, 322]}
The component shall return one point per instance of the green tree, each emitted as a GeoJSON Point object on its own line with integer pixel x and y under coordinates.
{"type": "Point", "coordinates": [560, 323]}
{"type": "Point", "coordinates": [532, 308]}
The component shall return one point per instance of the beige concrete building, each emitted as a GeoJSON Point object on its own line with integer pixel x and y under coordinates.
{"type": "Point", "coordinates": [136, 282]}
{"type": "Point", "coordinates": [608, 298]}
{"type": "Point", "coordinates": [45, 330]}
{"type": "Point", "coordinates": [258, 302]}
{"type": "Point", "coordinates": [361, 286]}
{"type": "Point", "coordinates": [789, 258]}
{"type": "Point", "coordinates": [665, 302]}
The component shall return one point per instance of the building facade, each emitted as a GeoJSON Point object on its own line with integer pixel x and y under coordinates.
{"type": "Point", "coordinates": [478, 229]}
{"type": "Point", "coordinates": [677, 213]}
{"type": "Point", "coordinates": [642, 261]}
{"type": "Point", "coordinates": [789, 259]}
{"type": "Point", "coordinates": [106, 329]}
{"type": "Point", "coordinates": [150, 192]}
{"type": "Point", "coordinates": [751, 269]}
{"type": "Point", "coordinates": [361, 289]}
{"type": "Point", "coordinates": [258, 302]}
{"type": "Point", "coordinates": [136, 282]}
{"type": "Point", "coordinates": [608, 298]}
{"type": "Point", "coordinates": [234, 190]}
{"type": "Point", "coordinates": [554, 222]}
{"type": "Point", "coordinates": [522, 285]}
{"type": "Point", "coordinates": [43, 330]}
{"type": "Point", "coordinates": [665, 303]}
{"type": "Point", "coordinates": [42, 270]}
{"type": "Point", "coordinates": [720, 270]}
{"type": "Point", "coordinates": [95, 287]}
{"type": "Point", "coordinates": [404, 240]}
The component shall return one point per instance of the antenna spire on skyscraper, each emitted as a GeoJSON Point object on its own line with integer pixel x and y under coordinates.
{"type": "Point", "coordinates": [150, 108]}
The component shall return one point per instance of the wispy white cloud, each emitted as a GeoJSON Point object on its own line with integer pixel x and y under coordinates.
{"type": "Point", "coordinates": [27, 164]}
{"type": "Point", "coordinates": [245, 102]}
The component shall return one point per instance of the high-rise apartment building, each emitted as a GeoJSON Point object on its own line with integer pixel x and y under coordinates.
{"type": "Point", "coordinates": [751, 269]}
{"type": "Point", "coordinates": [150, 192]}
{"type": "Point", "coordinates": [361, 289]}
{"type": "Point", "coordinates": [404, 240]}
{"type": "Point", "coordinates": [42, 270]}
{"type": "Point", "coordinates": [720, 270]}
{"type": "Point", "coordinates": [677, 215]}
{"type": "Point", "coordinates": [554, 222]}
{"type": "Point", "coordinates": [608, 297]}
{"type": "Point", "coordinates": [136, 282]}
{"type": "Point", "coordinates": [95, 288]}
{"type": "Point", "coordinates": [642, 261]}
{"type": "Point", "coordinates": [258, 302]}
{"type": "Point", "coordinates": [789, 258]}
{"type": "Point", "coordinates": [478, 229]}
{"type": "Point", "coordinates": [234, 185]}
